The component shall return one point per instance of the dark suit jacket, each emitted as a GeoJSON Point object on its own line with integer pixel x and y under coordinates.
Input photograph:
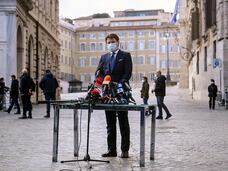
{"type": "Point", "coordinates": [122, 69]}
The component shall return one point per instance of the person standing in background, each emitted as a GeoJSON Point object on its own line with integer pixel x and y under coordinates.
{"type": "Point", "coordinates": [160, 92]}
{"type": "Point", "coordinates": [49, 84]}
{"type": "Point", "coordinates": [212, 94]}
{"type": "Point", "coordinates": [14, 94]}
{"type": "Point", "coordinates": [27, 87]}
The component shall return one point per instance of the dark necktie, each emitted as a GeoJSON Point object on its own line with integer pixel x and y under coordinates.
{"type": "Point", "coordinates": [112, 61]}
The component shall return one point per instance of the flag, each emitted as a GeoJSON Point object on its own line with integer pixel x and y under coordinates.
{"type": "Point", "coordinates": [173, 19]}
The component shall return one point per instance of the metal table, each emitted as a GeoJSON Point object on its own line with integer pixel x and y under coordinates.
{"type": "Point", "coordinates": [75, 106]}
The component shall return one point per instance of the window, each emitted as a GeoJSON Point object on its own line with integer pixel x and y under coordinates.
{"type": "Point", "coordinates": [152, 60]}
{"type": "Point", "coordinates": [152, 33]}
{"type": "Point", "coordinates": [197, 63]}
{"type": "Point", "coordinates": [210, 13]}
{"type": "Point", "coordinates": [92, 35]}
{"type": "Point", "coordinates": [141, 45]}
{"type": "Point", "coordinates": [152, 45]}
{"type": "Point", "coordinates": [101, 46]}
{"type": "Point", "coordinates": [140, 33]}
{"type": "Point", "coordinates": [163, 64]}
{"type": "Point", "coordinates": [205, 59]}
{"type": "Point", "coordinates": [101, 35]}
{"type": "Point", "coordinates": [82, 36]}
{"type": "Point", "coordinates": [140, 60]}
{"type": "Point", "coordinates": [82, 47]}
{"type": "Point", "coordinates": [82, 77]}
{"type": "Point", "coordinates": [131, 34]}
{"type": "Point", "coordinates": [93, 61]}
{"type": "Point", "coordinates": [162, 48]}
{"type": "Point", "coordinates": [65, 44]}
{"type": "Point", "coordinates": [130, 45]}
{"type": "Point", "coordinates": [122, 45]}
{"type": "Point", "coordinates": [82, 62]}
{"type": "Point", "coordinates": [92, 46]}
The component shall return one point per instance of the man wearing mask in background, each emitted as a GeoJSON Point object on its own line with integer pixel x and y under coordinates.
{"type": "Point", "coordinates": [212, 94]}
{"type": "Point", "coordinates": [49, 84]}
{"type": "Point", "coordinates": [117, 64]}
{"type": "Point", "coordinates": [160, 92]}
{"type": "Point", "coordinates": [14, 94]}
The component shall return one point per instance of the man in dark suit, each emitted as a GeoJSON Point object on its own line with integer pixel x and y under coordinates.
{"type": "Point", "coordinates": [14, 93]}
{"type": "Point", "coordinates": [160, 92]}
{"type": "Point", "coordinates": [27, 87]}
{"type": "Point", "coordinates": [117, 64]}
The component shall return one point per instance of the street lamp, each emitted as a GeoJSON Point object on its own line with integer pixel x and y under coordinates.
{"type": "Point", "coordinates": [167, 53]}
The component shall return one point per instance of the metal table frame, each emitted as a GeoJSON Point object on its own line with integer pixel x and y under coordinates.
{"type": "Point", "coordinates": [117, 107]}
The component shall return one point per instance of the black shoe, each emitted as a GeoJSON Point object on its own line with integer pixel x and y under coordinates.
{"type": "Point", "coordinates": [168, 116]}
{"type": "Point", "coordinates": [47, 116]}
{"type": "Point", "coordinates": [109, 154]}
{"type": "Point", "coordinates": [7, 111]}
{"type": "Point", "coordinates": [159, 117]}
{"type": "Point", "coordinates": [30, 117]}
{"type": "Point", "coordinates": [23, 117]}
{"type": "Point", "coordinates": [17, 113]}
{"type": "Point", "coordinates": [124, 155]}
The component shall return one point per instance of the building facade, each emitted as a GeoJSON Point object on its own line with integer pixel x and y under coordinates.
{"type": "Point", "coordinates": [204, 34]}
{"type": "Point", "coordinates": [29, 38]}
{"type": "Point", "coordinates": [145, 36]}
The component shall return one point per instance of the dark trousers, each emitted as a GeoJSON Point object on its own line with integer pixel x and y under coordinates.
{"type": "Point", "coordinates": [124, 130]}
{"type": "Point", "coordinates": [160, 102]}
{"type": "Point", "coordinates": [49, 96]}
{"type": "Point", "coordinates": [14, 101]}
{"type": "Point", "coordinates": [145, 100]}
{"type": "Point", "coordinates": [27, 104]}
{"type": "Point", "coordinates": [212, 102]}
{"type": "Point", "coordinates": [1, 101]}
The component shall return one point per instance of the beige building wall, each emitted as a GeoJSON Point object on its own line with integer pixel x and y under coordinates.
{"type": "Point", "coordinates": [144, 37]}
{"type": "Point", "coordinates": [208, 19]}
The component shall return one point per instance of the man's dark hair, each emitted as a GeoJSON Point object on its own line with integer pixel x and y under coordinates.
{"type": "Point", "coordinates": [13, 76]}
{"type": "Point", "coordinates": [48, 71]}
{"type": "Point", "coordinates": [112, 36]}
{"type": "Point", "coordinates": [1, 79]}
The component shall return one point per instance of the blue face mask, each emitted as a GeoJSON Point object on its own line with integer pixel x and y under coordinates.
{"type": "Point", "coordinates": [112, 47]}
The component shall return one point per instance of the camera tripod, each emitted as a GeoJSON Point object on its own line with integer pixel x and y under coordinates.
{"type": "Point", "coordinates": [87, 156]}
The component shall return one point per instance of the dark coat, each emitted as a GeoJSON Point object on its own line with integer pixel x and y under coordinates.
{"type": "Point", "coordinates": [160, 86]}
{"type": "Point", "coordinates": [2, 87]}
{"type": "Point", "coordinates": [145, 90]}
{"type": "Point", "coordinates": [212, 90]}
{"type": "Point", "coordinates": [48, 83]}
{"type": "Point", "coordinates": [26, 85]}
{"type": "Point", "coordinates": [122, 69]}
{"type": "Point", "coordinates": [14, 90]}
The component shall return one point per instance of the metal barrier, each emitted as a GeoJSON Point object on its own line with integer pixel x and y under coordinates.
{"type": "Point", "coordinates": [76, 105]}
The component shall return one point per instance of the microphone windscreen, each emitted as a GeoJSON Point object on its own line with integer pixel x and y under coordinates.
{"type": "Point", "coordinates": [107, 79]}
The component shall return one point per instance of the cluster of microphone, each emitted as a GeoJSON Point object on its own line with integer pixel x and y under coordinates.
{"type": "Point", "coordinates": [106, 91]}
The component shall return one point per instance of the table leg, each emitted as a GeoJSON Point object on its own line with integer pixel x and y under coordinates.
{"type": "Point", "coordinates": [142, 138]}
{"type": "Point", "coordinates": [55, 134]}
{"type": "Point", "coordinates": [152, 141]}
{"type": "Point", "coordinates": [75, 132]}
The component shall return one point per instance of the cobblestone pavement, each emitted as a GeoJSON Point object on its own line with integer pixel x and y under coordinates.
{"type": "Point", "coordinates": [194, 139]}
